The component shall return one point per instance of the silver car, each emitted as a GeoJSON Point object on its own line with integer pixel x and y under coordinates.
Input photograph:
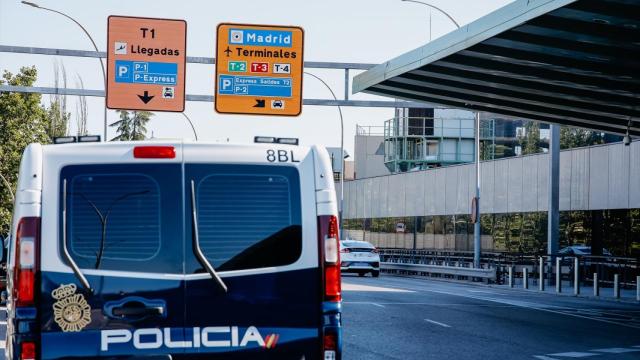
{"type": "Point", "coordinates": [359, 257]}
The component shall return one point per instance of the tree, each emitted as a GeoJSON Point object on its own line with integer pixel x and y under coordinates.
{"type": "Point", "coordinates": [22, 121]}
{"type": "Point", "coordinates": [131, 126]}
{"type": "Point", "coordinates": [59, 124]}
{"type": "Point", "coordinates": [58, 119]}
{"type": "Point", "coordinates": [530, 142]}
{"type": "Point", "coordinates": [81, 110]}
{"type": "Point", "coordinates": [571, 137]}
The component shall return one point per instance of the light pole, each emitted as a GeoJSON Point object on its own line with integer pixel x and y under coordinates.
{"type": "Point", "coordinates": [192, 127]}
{"type": "Point", "coordinates": [104, 75]}
{"type": "Point", "coordinates": [436, 8]}
{"type": "Point", "coordinates": [477, 243]}
{"type": "Point", "coordinates": [341, 150]}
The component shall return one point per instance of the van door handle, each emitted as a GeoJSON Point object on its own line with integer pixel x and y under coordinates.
{"type": "Point", "coordinates": [135, 310]}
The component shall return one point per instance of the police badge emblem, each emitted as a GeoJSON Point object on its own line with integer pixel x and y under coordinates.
{"type": "Point", "coordinates": [71, 311]}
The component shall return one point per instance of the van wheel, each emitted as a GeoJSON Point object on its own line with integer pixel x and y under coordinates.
{"type": "Point", "coordinates": [375, 273]}
{"type": "Point", "coordinates": [361, 274]}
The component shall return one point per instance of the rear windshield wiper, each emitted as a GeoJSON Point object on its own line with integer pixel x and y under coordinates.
{"type": "Point", "coordinates": [196, 242]}
{"type": "Point", "coordinates": [74, 266]}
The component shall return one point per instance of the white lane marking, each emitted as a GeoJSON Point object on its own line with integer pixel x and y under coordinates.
{"type": "Point", "coordinates": [363, 303]}
{"type": "Point", "coordinates": [358, 287]}
{"type": "Point", "coordinates": [543, 357]}
{"type": "Point", "coordinates": [437, 323]}
{"type": "Point", "coordinates": [534, 306]}
{"type": "Point", "coordinates": [2, 344]}
{"type": "Point", "coordinates": [430, 304]}
{"type": "Point", "coordinates": [3, 323]}
{"type": "Point", "coordinates": [480, 291]}
{"type": "Point", "coordinates": [616, 350]}
{"type": "Point", "coordinates": [524, 304]}
{"type": "Point", "coordinates": [574, 354]}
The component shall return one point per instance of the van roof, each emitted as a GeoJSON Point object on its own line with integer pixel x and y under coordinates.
{"type": "Point", "coordinates": [157, 141]}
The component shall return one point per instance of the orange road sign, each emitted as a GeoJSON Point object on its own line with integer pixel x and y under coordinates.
{"type": "Point", "coordinates": [146, 63]}
{"type": "Point", "coordinates": [259, 69]}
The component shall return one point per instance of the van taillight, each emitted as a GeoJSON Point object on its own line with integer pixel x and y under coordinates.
{"type": "Point", "coordinates": [26, 262]}
{"type": "Point", "coordinates": [329, 243]}
{"type": "Point", "coordinates": [27, 351]}
{"type": "Point", "coordinates": [154, 152]}
{"type": "Point", "coordinates": [330, 345]}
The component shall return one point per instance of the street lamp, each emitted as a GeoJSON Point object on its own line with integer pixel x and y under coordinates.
{"type": "Point", "coordinates": [341, 150]}
{"type": "Point", "coordinates": [192, 127]}
{"type": "Point", "coordinates": [436, 8]}
{"type": "Point", "coordinates": [476, 200]}
{"type": "Point", "coordinates": [104, 75]}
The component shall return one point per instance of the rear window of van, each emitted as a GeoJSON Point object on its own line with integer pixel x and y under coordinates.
{"type": "Point", "coordinates": [139, 217]}
{"type": "Point", "coordinates": [124, 217]}
{"type": "Point", "coordinates": [249, 216]}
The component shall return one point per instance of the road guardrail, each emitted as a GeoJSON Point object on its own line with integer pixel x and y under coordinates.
{"type": "Point", "coordinates": [460, 271]}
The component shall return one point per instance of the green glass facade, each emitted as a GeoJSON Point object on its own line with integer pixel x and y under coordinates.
{"type": "Point", "coordinates": [616, 230]}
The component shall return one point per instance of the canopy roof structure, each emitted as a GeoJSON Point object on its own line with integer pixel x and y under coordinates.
{"type": "Point", "coordinates": [570, 62]}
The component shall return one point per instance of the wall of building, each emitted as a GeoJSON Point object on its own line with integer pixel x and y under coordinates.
{"type": "Point", "coordinates": [598, 177]}
{"type": "Point", "coordinates": [599, 203]}
{"type": "Point", "coordinates": [369, 156]}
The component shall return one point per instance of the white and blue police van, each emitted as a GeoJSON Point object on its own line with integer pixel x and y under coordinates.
{"type": "Point", "coordinates": [174, 250]}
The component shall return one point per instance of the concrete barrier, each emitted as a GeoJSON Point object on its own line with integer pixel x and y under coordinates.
{"type": "Point", "coordinates": [489, 274]}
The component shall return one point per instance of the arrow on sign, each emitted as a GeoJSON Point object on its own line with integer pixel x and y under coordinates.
{"type": "Point", "coordinates": [259, 103]}
{"type": "Point", "coordinates": [146, 98]}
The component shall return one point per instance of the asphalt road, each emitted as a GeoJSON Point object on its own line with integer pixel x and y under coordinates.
{"type": "Point", "coordinates": [408, 318]}
{"type": "Point", "coordinates": [411, 318]}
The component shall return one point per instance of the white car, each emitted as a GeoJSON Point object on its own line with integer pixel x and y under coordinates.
{"type": "Point", "coordinates": [359, 257]}
{"type": "Point", "coordinates": [581, 250]}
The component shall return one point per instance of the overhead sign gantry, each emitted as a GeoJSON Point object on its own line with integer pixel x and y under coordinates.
{"type": "Point", "coordinates": [259, 69]}
{"type": "Point", "coordinates": [146, 63]}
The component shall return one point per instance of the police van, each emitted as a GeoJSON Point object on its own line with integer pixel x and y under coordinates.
{"type": "Point", "coordinates": [174, 250]}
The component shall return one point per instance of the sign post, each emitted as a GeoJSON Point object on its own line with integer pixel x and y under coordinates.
{"type": "Point", "coordinates": [146, 64]}
{"type": "Point", "coordinates": [259, 69]}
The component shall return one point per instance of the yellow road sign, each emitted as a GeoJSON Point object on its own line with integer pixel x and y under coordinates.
{"type": "Point", "coordinates": [259, 69]}
{"type": "Point", "coordinates": [146, 63]}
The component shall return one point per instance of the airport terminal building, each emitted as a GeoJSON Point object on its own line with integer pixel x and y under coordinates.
{"type": "Point", "coordinates": [430, 209]}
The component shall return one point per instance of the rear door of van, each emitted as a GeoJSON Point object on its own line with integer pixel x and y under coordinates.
{"type": "Point", "coordinates": [253, 217]}
{"type": "Point", "coordinates": [119, 212]}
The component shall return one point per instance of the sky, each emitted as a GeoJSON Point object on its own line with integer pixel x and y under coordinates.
{"type": "Point", "coordinates": [361, 31]}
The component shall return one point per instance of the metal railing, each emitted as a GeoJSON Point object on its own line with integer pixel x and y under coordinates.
{"type": "Point", "coordinates": [447, 264]}
{"type": "Point", "coordinates": [369, 130]}
{"type": "Point", "coordinates": [422, 141]}
{"type": "Point", "coordinates": [576, 274]}
{"type": "Point", "coordinates": [617, 276]}
{"type": "Point", "coordinates": [436, 127]}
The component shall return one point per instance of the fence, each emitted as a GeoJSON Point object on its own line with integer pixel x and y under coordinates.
{"type": "Point", "coordinates": [570, 274]}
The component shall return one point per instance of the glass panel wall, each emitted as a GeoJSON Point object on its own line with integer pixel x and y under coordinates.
{"type": "Point", "coordinates": [617, 231]}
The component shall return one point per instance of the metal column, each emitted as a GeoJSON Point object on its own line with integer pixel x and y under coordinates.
{"type": "Point", "coordinates": [554, 190]}
{"type": "Point", "coordinates": [576, 276]}
{"type": "Point", "coordinates": [476, 227]}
